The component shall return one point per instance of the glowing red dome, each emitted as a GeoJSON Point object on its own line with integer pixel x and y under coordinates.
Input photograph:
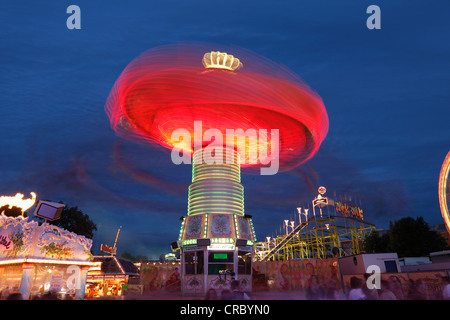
{"type": "Point", "coordinates": [168, 88]}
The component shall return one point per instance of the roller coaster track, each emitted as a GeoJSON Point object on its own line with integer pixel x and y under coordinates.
{"type": "Point", "coordinates": [284, 241]}
{"type": "Point", "coordinates": [342, 231]}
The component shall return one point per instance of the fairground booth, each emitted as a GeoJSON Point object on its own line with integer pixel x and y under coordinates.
{"type": "Point", "coordinates": [113, 276]}
{"type": "Point", "coordinates": [36, 259]}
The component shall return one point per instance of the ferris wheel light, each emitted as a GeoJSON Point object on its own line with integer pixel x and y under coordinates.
{"type": "Point", "coordinates": [444, 191]}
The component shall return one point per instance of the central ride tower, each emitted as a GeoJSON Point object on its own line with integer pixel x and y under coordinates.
{"type": "Point", "coordinates": [216, 237]}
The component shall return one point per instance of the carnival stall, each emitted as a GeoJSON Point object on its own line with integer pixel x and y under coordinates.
{"type": "Point", "coordinates": [36, 259]}
{"type": "Point", "coordinates": [112, 277]}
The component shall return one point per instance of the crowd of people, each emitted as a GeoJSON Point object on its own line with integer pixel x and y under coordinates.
{"type": "Point", "coordinates": [393, 289]}
{"type": "Point", "coordinates": [45, 296]}
{"type": "Point", "coordinates": [235, 293]}
{"type": "Point", "coordinates": [390, 289]}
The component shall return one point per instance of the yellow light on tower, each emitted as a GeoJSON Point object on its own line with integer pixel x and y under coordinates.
{"type": "Point", "coordinates": [221, 60]}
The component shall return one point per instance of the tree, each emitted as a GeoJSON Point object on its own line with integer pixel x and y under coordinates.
{"type": "Point", "coordinates": [374, 242]}
{"type": "Point", "coordinates": [12, 212]}
{"type": "Point", "coordinates": [129, 256]}
{"type": "Point", "coordinates": [407, 237]}
{"type": "Point", "coordinates": [74, 220]}
{"type": "Point", "coordinates": [413, 238]}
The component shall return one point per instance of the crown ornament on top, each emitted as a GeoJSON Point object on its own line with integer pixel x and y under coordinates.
{"type": "Point", "coordinates": [221, 60]}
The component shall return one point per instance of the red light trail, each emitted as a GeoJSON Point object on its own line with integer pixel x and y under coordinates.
{"type": "Point", "coordinates": [168, 87]}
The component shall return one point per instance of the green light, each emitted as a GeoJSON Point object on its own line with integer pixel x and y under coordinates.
{"type": "Point", "coordinates": [189, 242]}
{"type": "Point", "coordinates": [222, 240]}
{"type": "Point", "coordinates": [220, 256]}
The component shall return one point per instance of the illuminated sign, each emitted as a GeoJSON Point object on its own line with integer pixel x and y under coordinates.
{"type": "Point", "coordinates": [220, 256]}
{"type": "Point", "coordinates": [56, 282]}
{"type": "Point", "coordinates": [221, 246]}
{"type": "Point", "coordinates": [348, 210]}
{"type": "Point", "coordinates": [322, 190]}
{"type": "Point", "coordinates": [49, 210]}
{"type": "Point", "coordinates": [320, 201]}
{"type": "Point", "coordinates": [107, 249]}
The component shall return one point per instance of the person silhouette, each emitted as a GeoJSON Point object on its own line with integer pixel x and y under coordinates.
{"type": "Point", "coordinates": [236, 292]}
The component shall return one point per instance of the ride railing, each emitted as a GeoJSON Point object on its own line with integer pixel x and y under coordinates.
{"type": "Point", "coordinates": [285, 240]}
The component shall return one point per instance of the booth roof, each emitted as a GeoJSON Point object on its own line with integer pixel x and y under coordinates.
{"type": "Point", "coordinates": [115, 265]}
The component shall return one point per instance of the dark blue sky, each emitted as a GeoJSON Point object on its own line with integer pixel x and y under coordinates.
{"type": "Point", "coordinates": [386, 93]}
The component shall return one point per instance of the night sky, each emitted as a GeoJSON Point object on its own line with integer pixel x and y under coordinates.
{"type": "Point", "coordinates": [386, 92]}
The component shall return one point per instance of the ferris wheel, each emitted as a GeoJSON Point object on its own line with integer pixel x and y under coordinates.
{"type": "Point", "coordinates": [444, 192]}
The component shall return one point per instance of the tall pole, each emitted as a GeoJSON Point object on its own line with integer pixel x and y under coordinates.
{"type": "Point", "coordinates": [115, 242]}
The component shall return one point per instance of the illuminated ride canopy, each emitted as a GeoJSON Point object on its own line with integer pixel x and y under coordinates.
{"type": "Point", "coordinates": [171, 87]}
